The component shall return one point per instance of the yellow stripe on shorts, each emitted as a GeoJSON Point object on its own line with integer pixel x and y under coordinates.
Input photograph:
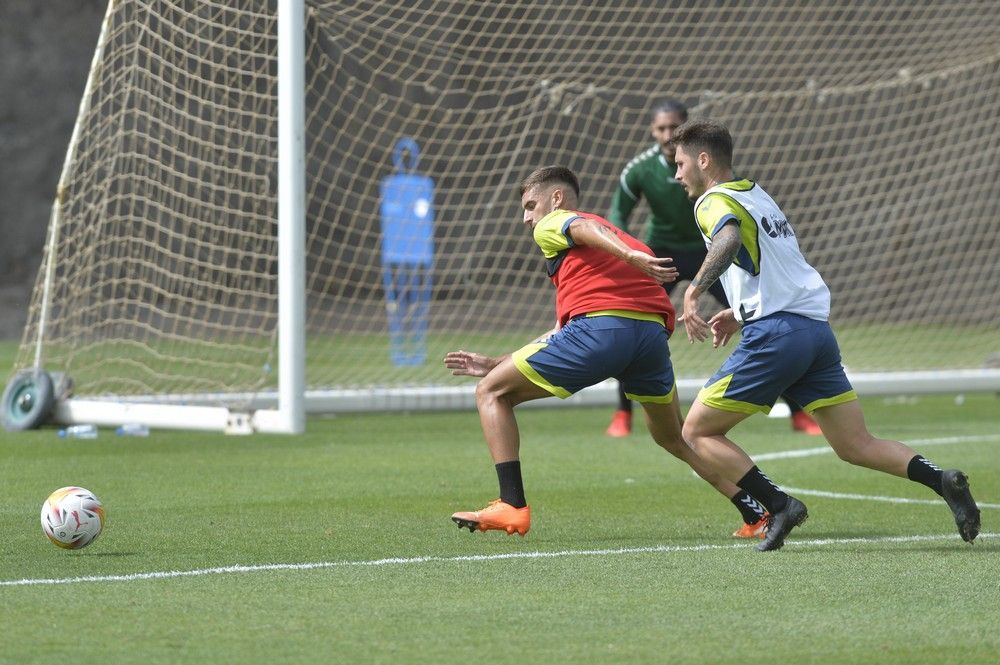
{"type": "Point", "coordinates": [842, 398]}
{"type": "Point", "coordinates": [629, 314]}
{"type": "Point", "coordinates": [714, 395]}
{"type": "Point", "coordinates": [654, 399]}
{"type": "Point", "coordinates": [520, 358]}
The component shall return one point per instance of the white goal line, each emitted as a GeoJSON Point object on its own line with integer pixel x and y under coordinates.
{"type": "Point", "coordinates": [404, 561]}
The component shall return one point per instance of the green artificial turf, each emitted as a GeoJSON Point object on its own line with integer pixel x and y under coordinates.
{"type": "Point", "coordinates": [344, 552]}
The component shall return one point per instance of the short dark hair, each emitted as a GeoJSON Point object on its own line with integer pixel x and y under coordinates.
{"type": "Point", "coordinates": [548, 175]}
{"type": "Point", "coordinates": [706, 136]}
{"type": "Point", "coordinates": [671, 105]}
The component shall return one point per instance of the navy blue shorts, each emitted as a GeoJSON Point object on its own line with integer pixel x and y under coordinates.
{"type": "Point", "coordinates": [590, 349]}
{"type": "Point", "coordinates": [781, 354]}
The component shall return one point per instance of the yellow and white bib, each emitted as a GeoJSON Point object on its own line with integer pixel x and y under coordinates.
{"type": "Point", "coordinates": [769, 273]}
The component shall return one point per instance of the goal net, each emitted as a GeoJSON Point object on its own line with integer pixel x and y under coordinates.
{"type": "Point", "coordinates": [874, 125]}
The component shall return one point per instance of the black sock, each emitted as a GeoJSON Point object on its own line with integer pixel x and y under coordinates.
{"type": "Point", "coordinates": [511, 487]}
{"type": "Point", "coordinates": [919, 470]}
{"type": "Point", "coordinates": [749, 507]}
{"type": "Point", "coordinates": [760, 487]}
{"type": "Point", "coordinates": [624, 403]}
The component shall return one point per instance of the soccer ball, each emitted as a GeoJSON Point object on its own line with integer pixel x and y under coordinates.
{"type": "Point", "coordinates": [72, 517]}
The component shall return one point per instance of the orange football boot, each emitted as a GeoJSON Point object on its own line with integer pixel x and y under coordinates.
{"type": "Point", "coordinates": [621, 424]}
{"type": "Point", "coordinates": [497, 516]}
{"type": "Point", "coordinates": [803, 422]}
{"type": "Point", "coordinates": [756, 530]}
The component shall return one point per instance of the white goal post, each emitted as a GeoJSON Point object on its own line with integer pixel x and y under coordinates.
{"type": "Point", "coordinates": [280, 208]}
{"type": "Point", "coordinates": [286, 413]}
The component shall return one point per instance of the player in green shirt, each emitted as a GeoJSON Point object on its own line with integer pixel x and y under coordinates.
{"type": "Point", "coordinates": [670, 228]}
{"type": "Point", "coordinates": [650, 175]}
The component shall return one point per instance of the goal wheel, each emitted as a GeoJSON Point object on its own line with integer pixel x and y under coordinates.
{"type": "Point", "coordinates": [27, 400]}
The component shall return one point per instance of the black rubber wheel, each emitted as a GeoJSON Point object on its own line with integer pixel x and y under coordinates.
{"type": "Point", "coordinates": [27, 400]}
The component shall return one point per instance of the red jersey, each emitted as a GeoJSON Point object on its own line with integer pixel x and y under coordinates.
{"type": "Point", "coordinates": [592, 280]}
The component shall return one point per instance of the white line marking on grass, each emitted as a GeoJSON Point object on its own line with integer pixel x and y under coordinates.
{"type": "Point", "coordinates": [823, 450]}
{"type": "Point", "coordinates": [866, 497]}
{"type": "Point", "coordinates": [789, 454]}
{"type": "Point", "coordinates": [402, 561]}
{"type": "Point", "coordinates": [826, 450]}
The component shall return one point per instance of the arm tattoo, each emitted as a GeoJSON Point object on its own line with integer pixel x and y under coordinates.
{"type": "Point", "coordinates": [720, 256]}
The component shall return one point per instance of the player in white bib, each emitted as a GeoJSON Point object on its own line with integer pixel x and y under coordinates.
{"type": "Point", "coordinates": [770, 274]}
{"type": "Point", "coordinates": [787, 346]}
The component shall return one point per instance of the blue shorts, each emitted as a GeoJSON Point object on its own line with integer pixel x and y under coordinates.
{"type": "Point", "coordinates": [590, 349]}
{"type": "Point", "coordinates": [781, 354]}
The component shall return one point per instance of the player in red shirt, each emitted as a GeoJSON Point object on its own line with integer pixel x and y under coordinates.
{"type": "Point", "coordinates": [614, 320]}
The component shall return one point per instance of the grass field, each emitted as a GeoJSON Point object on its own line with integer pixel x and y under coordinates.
{"type": "Point", "coordinates": [336, 546]}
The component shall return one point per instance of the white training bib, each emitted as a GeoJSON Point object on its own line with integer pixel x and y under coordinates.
{"type": "Point", "coordinates": [769, 273]}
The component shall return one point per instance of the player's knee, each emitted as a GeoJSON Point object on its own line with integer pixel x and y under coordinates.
{"type": "Point", "coordinates": [673, 444]}
{"type": "Point", "coordinates": [487, 391]}
{"type": "Point", "coordinates": [691, 430]}
{"type": "Point", "coordinates": [490, 391]}
{"type": "Point", "coordinates": [848, 455]}
{"type": "Point", "coordinates": [854, 451]}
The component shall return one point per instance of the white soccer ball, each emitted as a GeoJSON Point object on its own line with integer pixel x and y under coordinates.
{"type": "Point", "coordinates": [72, 517]}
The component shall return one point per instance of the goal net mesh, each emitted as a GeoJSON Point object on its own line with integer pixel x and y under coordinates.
{"type": "Point", "coordinates": [874, 125]}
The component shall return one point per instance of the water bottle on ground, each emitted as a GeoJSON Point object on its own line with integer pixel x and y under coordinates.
{"type": "Point", "coordinates": [132, 429]}
{"type": "Point", "coordinates": [79, 432]}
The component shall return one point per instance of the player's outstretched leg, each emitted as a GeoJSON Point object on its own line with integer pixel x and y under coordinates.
{"type": "Point", "coordinates": [955, 489]}
{"type": "Point", "coordinates": [782, 522]}
{"type": "Point", "coordinates": [497, 516]}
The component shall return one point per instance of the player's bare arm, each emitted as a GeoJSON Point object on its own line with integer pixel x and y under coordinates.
{"type": "Point", "coordinates": [591, 234]}
{"type": "Point", "coordinates": [469, 363]}
{"type": "Point", "coordinates": [725, 244]}
{"type": "Point", "coordinates": [724, 325]}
